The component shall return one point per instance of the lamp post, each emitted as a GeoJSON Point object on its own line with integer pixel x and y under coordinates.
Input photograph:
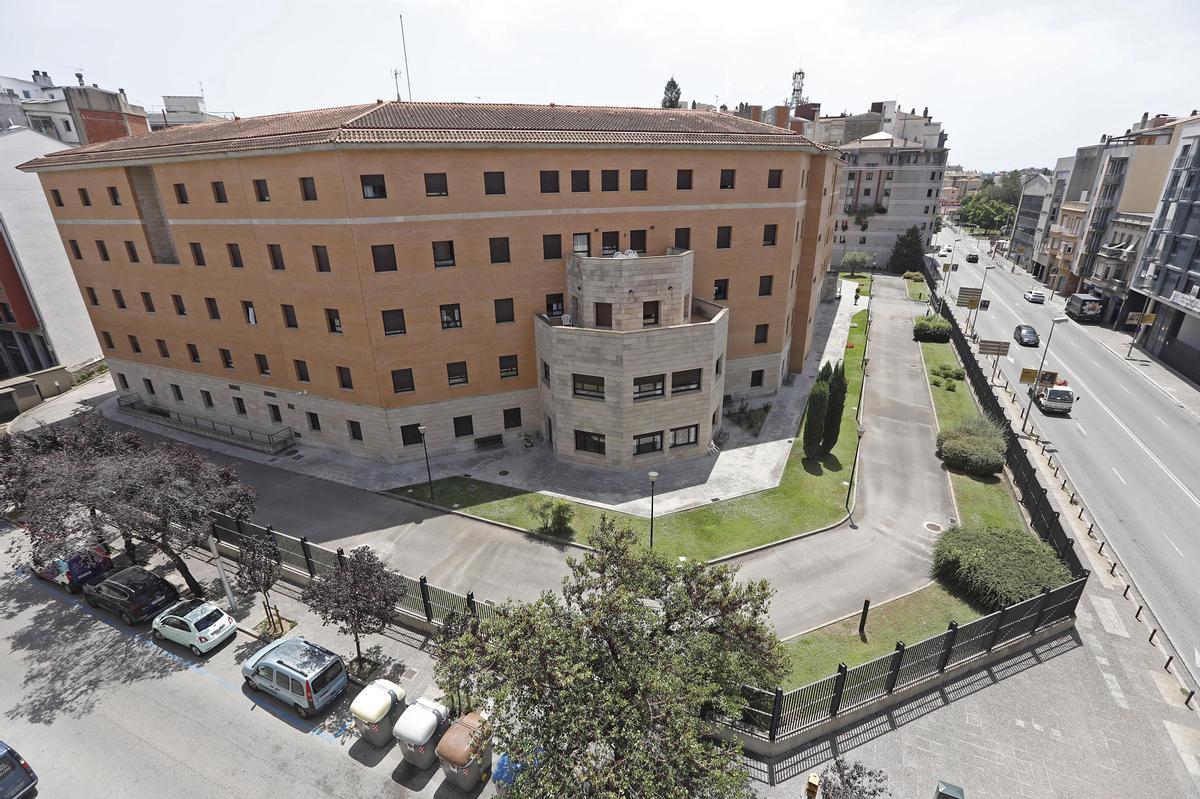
{"type": "Point", "coordinates": [1038, 379]}
{"type": "Point", "coordinates": [949, 275]}
{"type": "Point", "coordinates": [428, 471]}
{"type": "Point", "coordinates": [975, 316]}
{"type": "Point", "coordinates": [653, 476]}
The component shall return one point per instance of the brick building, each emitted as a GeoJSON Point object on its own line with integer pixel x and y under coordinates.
{"type": "Point", "coordinates": [605, 276]}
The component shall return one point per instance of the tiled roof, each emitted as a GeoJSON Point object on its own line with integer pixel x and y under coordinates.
{"type": "Point", "coordinates": [440, 123]}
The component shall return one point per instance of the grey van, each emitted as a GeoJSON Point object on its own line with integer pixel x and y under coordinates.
{"type": "Point", "coordinates": [298, 672]}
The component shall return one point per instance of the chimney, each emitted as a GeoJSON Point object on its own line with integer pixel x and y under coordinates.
{"type": "Point", "coordinates": [1145, 116]}
{"type": "Point", "coordinates": [79, 77]}
{"type": "Point", "coordinates": [925, 113]}
{"type": "Point", "coordinates": [42, 79]}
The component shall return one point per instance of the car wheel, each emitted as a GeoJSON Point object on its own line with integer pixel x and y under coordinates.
{"type": "Point", "coordinates": [88, 599]}
{"type": "Point", "coordinates": [196, 650]}
{"type": "Point", "coordinates": [70, 589]}
{"type": "Point", "coordinates": [158, 636]}
{"type": "Point", "coordinates": [126, 618]}
{"type": "Point", "coordinates": [302, 712]}
{"type": "Point", "coordinates": [253, 686]}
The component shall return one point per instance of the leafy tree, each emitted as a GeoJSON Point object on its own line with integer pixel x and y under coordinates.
{"type": "Point", "coordinates": [166, 495]}
{"type": "Point", "coordinates": [603, 686]}
{"type": "Point", "coordinates": [814, 418]}
{"type": "Point", "coordinates": [671, 94]}
{"type": "Point", "coordinates": [359, 596]}
{"type": "Point", "coordinates": [837, 405]}
{"type": "Point", "coordinates": [841, 780]}
{"type": "Point", "coordinates": [826, 372]}
{"type": "Point", "coordinates": [909, 253]}
{"type": "Point", "coordinates": [937, 224]}
{"type": "Point", "coordinates": [856, 260]}
{"type": "Point", "coordinates": [259, 569]}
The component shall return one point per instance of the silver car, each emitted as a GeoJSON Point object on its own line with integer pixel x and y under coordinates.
{"type": "Point", "coordinates": [299, 673]}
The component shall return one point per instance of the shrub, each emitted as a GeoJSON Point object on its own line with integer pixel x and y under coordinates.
{"type": "Point", "coordinates": [977, 456]}
{"type": "Point", "coordinates": [814, 419]}
{"type": "Point", "coordinates": [555, 516]}
{"type": "Point", "coordinates": [935, 381]}
{"type": "Point", "coordinates": [951, 385]}
{"type": "Point", "coordinates": [931, 328]}
{"type": "Point", "coordinates": [996, 567]}
{"type": "Point", "coordinates": [836, 407]}
{"type": "Point", "coordinates": [949, 372]}
{"type": "Point", "coordinates": [977, 426]}
{"type": "Point", "coordinates": [913, 276]}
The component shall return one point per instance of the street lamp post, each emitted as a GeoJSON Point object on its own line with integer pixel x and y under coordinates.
{"type": "Point", "coordinates": [428, 471]}
{"type": "Point", "coordinates": [949, 275]}
{"type": "Point", "coordinates": [975, 316]}
{"type": "Point", "coordinates": [1038, 379]}
{"type": "Point", "coordinates": [653, 476]}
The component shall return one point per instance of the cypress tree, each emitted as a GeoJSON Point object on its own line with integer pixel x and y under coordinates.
{"type": "Point", "coordinates": [837, 405]}
{"type": "Point", "coordinates": [814, 419]}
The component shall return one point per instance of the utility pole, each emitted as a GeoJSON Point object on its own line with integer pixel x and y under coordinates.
{"type": "Point", "coordinates": [407, 74]}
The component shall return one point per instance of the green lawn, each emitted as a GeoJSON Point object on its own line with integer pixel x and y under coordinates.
{"type": "Point", "coordinates": [810, 494]}
{"type": "Point", "coordinates": [917, 290]}
{"type": "Point", "coordinates": [911, 619]}
{"type": "Point", "coordinates": [862, 279]}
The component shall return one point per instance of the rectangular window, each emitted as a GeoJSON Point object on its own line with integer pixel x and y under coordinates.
{"type": "Point", "coordinates": [648, 442]}
{"type": "Point", "coordinates": [354, 429]}
{"type": "Point", "coordinates": [683, 436]}
{"type": "Point", "coordinates": [383, 256]}
{"type": "Point", "coordinates": [124, 381]}
{"type": "Point", "coordinates": [717, 366]}
{"type": "Point", "coordinates": [589, 442]}
{"type": "Point", "coordinates": [581, 244]}
{"type": "Point", "coordinates": [498, 247]}
{"type": "Point", "coordinates": [410, 434]}
{"type": "Point", "coordinates": [610, 180]}
{"type": "Point", "coordinates": [724, 237]}
{"type": "Point", "coordinates": [603, 314]}
{"type": "Point", "coordinates": [180, 308]}
{"type": "Point", "coordinates": [451, 316]}
{"type": "Point", "coordinates": [512, 418]}
{"type": "Point", "coordinates": [193, 353]}
{"type": "Point", "coordinates": [91, 295]}
{"type": "Point", "coordinates": [263, 366]}
{"type": "Point", "coordinates": [108, 340]}
{"type": "Point", "coordinates": [393, 322]}
{"type": "Point", "coordinates": [320, 257]}
{"type": "Point", "coordinates": [374, 187]}
{"type": "Point", "coordinates": [760, 334]}
{"type": "Point", "coordinates": [197, 253]}
{"type": "Point", "coordinates": [435, 185]}
{"type": "Point", "coordinates": [102, 248]}
{"type": "Point", "coordinates": [552, 247]}
{"type": "Point", "coordinates": [463, 426]}
{"type": "Point", "coordinates": [308, 189]}
{"type": "Point", "coordinates": [727, 178]}
{"type": "Point", "coordinates": [683, 179]}
{"type": "Point", "coordinates": [56, 195]}
{"type": "Point", "coordinates": [649, 386]}
{"type": "Point", "coordinates": [181, 194]}
{"type": "Point", "coordinates": [84, 197]}
{"type": "Point", "coordinates": [314, 421]}
{"type": "Point", "coordinates": [402, 381]}
{"type": "Point", "coordinates": [333, 320]}
{"type": "Point", "coordinates": [637, 180]}
{"type": "Point", "coordinates": [248, 313]}
{"type": "Point", "coordinates": [118, 298]}
{"type": "Point", "coordinates": [289, 316]}
{"type": "Point", "coordinates": [554, 305]}
{"type": "Point", "coordinates": [589, 386]}
{"type": "Point", "coordinates": [114, 196]}
{"type": "Point", "coordinates": [235, 256]}
{"type": "Point", "coordinates": [493, 183]}
{"type": "Point", "coordinates": [683, 238]}
{"type": "Point", "coordinates": [177, 392]}
{"type": "Point", "coordinates": [218, 190]}
{"type": "Point", "coordinates": [650, 313]}
{"type": "Point", "coordinates": [774, 178]}
{"type": "Point", "coordinates": [637, 241]}
{"type": "Point", "coordinates": [214, 311]}
{"type": "Point", "coordinates": [610, 242]}
{"type": "Point", "coordinates": [206, 398]}
{"type": "Point", "coordinates": [163, 350]}
{"type": "Point", "coordinates": [549, 181]}
{"type": "Point", "coordinates": [765, 284]}
{"type": "Point", "coordinates": [456, 373]}
{"type": "Point", "coordinates": [261, 192]}
{"type": "Point", "coordinates": [75, 251]}
{"type": "Point", "coordinates": [226, 358]}
{"type": "Point", "coordinates": [131, 251]}
{"type": "Point", "coordinates": [147, 302]}
{"type": "Point", "coordinates": [301, 370]}
{"type": "Point", "coordinates": [275, 413]}
{"type": "Point", "coordinates": [769, 233]}
{"type": "Point", "coordinates": [345, 378]}
{"type": "Point", "coordinates": [508, 366]}
{"type": "Point", "coordinates": [504, 310]}
{"type": "Point", "coordinates": [443, 254]}
{"type": "Point", "coordinates": [149, 386]}
{"type": "Point", "coordinates": [239, 405]}
{"type": "Point", "coordinates": [275, 253]}
{"type": "Point", "coordinates": [581, 180]}
{"type": "Point", "coordinates": [684, 381]}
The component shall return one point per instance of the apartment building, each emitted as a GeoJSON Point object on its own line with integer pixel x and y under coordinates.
{"type": "Point", "coordinates": [1048, 217]}
{"type": "Point", "coordinates": [1035, 195]}
{"type": "Point", "coordinates": [72, 114]}
{"type": "Point", "coordinates": [181, 109]}
{"type": "Point", "coordinates": [375, 277]}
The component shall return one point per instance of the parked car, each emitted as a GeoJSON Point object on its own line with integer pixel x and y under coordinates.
{"type": "Point", "coordinates": [298, 672]}
{"type": "Point", "coordinates": [1026, 336]}
{"type": "Point", "coordinates": [73, 571]}
{"type": "Point", "coordinates": [17, 779]}
{"type": "Point", "coordinates": [972, 258]}
{"type": "Point", "coordinates": [198, 625]}
{"type": "Point", "coordinates": [1033, 295]}
{"type": "Point", "coordinates": [133, 592]}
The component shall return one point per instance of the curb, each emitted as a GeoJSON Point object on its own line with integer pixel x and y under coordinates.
{"type": "Point", "coordinates": [857, 612]}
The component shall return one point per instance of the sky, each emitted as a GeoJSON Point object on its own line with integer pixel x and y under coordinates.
{"type": "Point", "coordinates": [1015, 83]}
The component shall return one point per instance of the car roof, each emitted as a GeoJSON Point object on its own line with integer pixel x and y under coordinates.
{"type": "Point", "coordinates": [298, 654]}
{"type": "Point", "coordinates": [135, 577]}
{"type": "Point", "coordinates": [1025, 327]}
{"type": "Point", "coordinates": [191, 609]}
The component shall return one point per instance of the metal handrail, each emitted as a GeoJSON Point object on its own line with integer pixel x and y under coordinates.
{"type": "Point", "coordinates": [136, 401]}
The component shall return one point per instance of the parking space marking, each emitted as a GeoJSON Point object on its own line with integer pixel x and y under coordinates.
{"type": "Point", "coordinates": [1127, 391]}
{"type": "Point", "coordinates": [1118, 474]}
{"type": "Point", "coordinates": [1172, 543]}
{"type": "Point", "coordinates": [1164, 424]}
{"type": "Point", "coordinates": [1109, 619]}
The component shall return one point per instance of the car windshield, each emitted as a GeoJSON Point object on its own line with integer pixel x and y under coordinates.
{"type": "Point", "coordinates": [327, 676]}
{"type": "Point", "coordinates": [209, 620]}
{"type": "Point", "coordinates": [1058, 395]}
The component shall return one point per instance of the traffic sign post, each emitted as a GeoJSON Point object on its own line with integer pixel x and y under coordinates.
{"type": "Point", "coordinates": [996, 349]}
{"type": "Point", "coordinates": [1141, 320]}
{"type": "Point", "coordinates": [1047, 379]}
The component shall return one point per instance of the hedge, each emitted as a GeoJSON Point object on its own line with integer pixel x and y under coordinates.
{"type": "Point", "coordinates": [931, 328]}
{"type": "Point", "coordinates": [997, 567]}
{"type": "Point", "coordinates": [973, 455]}
{"type": "Point", "coordinates": [913, 276]}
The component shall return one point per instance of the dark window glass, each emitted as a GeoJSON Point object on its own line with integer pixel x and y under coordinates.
{"type": "Point", "coordinates": [589, 442]}
{"type": "Point", "coordinates": [275, 253]}
{"type": "Point", "coordinates": [321, 257]}
{"type": "Point", "coordinates": [765, 284]}
{"type": "Point", "coordinates": [108, 341]}
{"type": "Point", "coordinates": [552, 247]}
{"type": "Point", "coordinates": [260, 361]}
{"type": "Point", "coordinates": [374, 187]}
{"type": "Point", "coordinates": [289, 316]}
{"type": "Point", "coordinates": [760, 334]}
{"type": "Point", "coordinates": [727, 176]}
{"type": "Point", "coordinates": [637, 241]}
{"type": "Point", "coordinates": [102, 248]}
{"type": "Point", "coordinates": [345, 379]}
{"type": "Point", "coordinates": [724, 237]}
{"type": "Point", "coordinates": [610, 242]}
{"type": "Point", "coordinates": [177, 392]}
{"type": "Point", "coordinates": [134, 344]}
{"type": "Point", "coordinates": [493, 183]}
{"type": "Point", "coordinates": [131, 251]}
{"type": "Point", "coordinates": [314, 421]}
{"type": "Point", "coordinates": [206, 398]}
{"type": "Point", "coordinates": [610, 180]}
{"type": "Point", "coordinates": [774, 178]}
{"type": "Point", "coordinates": [75, 251]}
{"type": "Point", "coordinates": [147, 302]}
{"type": "Point", "coordinates": [114, 196]}
{"type": "Point", "coordinates": [84, 197]}
{"type": "Point", "coordinates": [549, 181]}
{"type": "Point", "coordinates": [508, 366]}
{"type": "Point", "coordinates": [124, 381]}
{"type": "Point", "coordinates": [235, 256]}
{"type": "Point", "coordinates": [181, 195]}
{"type": "Point", "coordinates": [56, 195]}
{"type": "Point", "coordinates": [180, 308]}
{"type": "Point", "coordinates": [649, 386]}
{"type": "Point", "coordinates": [504, 310]}
{"type": "Point", "coordinates": [91, 295]}
{"type": "Point", "coordinates": [554, 305]}
{"type": "Point", "coordinates": [647, 442]}
{"type": "Point", "coordinates": [214, 311]}
{"type": "Point", "coordinates": [451, 316]}
{"type": "Point", "coordinates": [443, 253]}
{"type": "Point", "coordinates": [118, 298]}
{"type": "Point", "coordinates": [604, 314]}
{"type": "Point", "coordinates": [435, 185]}
{"type": "Point", "coordinates": [384, 257]}
{"type": "Point", "coordinates": [683, 179]}
{"type": "Point", "coordinates": [545, 371]}
{"type": "Point", "coordinates": [218, 190]}
{"type": "Point", "coordinates": [456, 373]}
{"type": "Point", "coordinates": [682, 436]}
{"type": "Point", "coordinates": [402, 381]}
{"type": "Point", "coordinates": [589, 386]}
{"type": "Point", "coordinates": [649, 313]}
{"type": "Point", "coordinates": [769, 232]}
{"type": "Point", "coordinates": [276, 414]}
{"type": "Point", "coordinates": [226, 358]}
{"type": "Point", "coordinates": [163, 351]}
{"type": "Point", "coordinates": [685, 381]}
{"type": "Point", "coordinates": [333, 319]}
{"type": "Point", "coordinates": [463, 426]}
{"type": "Point", "coordinates": [683, 238]}
{"type": "Point", "coordinates": [261, 192]}
{"type": "Point", "coordinates": [355, 429]}
{"type": "Point", "coordinates": [512, 418]}
{"type": "Point", "coordinates": [499, 250]}
{"type": "Point", "coordinates": [308, 189]}
{"type": "Point", "coordinates": [149, 385]}
{"type": "Point", "coordinates": [193, 353]}
{"type": "Point", "coordinates": [580, 180]}
{"type": "Point", "coordinates": [410, 434]}
{"type": "Point", "coordinates": [637, 180]}
{"type": "Point", "coordinates": [301, 370]}
{"type": "Point", "coordinates": [197, 253]}
{"type": "Point", "coordinates": [393, 322]}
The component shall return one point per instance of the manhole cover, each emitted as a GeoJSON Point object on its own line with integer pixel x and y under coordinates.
{"type": "Point", "coordinates": [933, 527]}
{"type": "Point", "coordinates": [504, 472]}
{"type": "Point", "coordinates": [715, 499]}
{"type": "Point", "coordinates": [468, 474]}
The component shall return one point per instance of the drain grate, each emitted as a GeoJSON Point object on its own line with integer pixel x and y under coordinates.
{"type": "Point", "coordinates": [503, 472]}
{"type": "Point", "coordinates": [933, 527]}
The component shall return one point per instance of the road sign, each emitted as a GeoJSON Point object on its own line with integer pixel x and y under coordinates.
{"type": "Point", "coordinates": [967, 302]}
{"type": "Point", "coordinates": [985, 304]}
{"type": "Point", "coordinates": [1048, 378]}
{"type": "Point", "coordinates": [970, 291]}
{"type": "Point", "coordinates": [989, 347]}
{"type": "Point", "coordinates": [1136, 318]}
{"type": "Point", "coordinates": [946, 267]}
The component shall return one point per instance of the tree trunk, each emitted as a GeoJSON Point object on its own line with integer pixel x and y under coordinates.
{"type": "Point", "coordinates": [130, 547]}
{"type": "Point", "coordinates": [358, 650]}
{"type": "Point", "coordinates": [182, 567]}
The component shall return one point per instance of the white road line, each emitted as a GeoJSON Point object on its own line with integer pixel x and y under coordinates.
{"type": "Point", "coordinates": [1127, 391]}
{"type": "Point", "coordinates": [1072, 343]}
{"type": "Point", "coordinates": [1172, 543]}
{"type": "Point", "coordinates": [1082, 432]}
{"type": "Point", "coordinates": [1095, 363]}
{"type": "Point", "coordinates": [1164, 424]}
{"type": "Point", "coordinates": [1118, 474]}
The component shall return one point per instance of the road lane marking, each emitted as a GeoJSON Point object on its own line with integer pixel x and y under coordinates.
{"type": "Point", "coordinates": [1127, 391]}
{"type": "Point", "coordinates": [1118, 474]}
{"type": "Point", "coordinates": [1172, 543]}
{"type": "Point", "coordinates": [1164, 424]}
{"type": "Point", "coordinates": [1082, 432]}
{"type": "Point", "coordinates": [1072, 343]}
{"type": "Point", "coordinates": [1095, 363]}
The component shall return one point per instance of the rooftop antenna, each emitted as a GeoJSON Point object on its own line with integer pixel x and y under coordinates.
{"type": "Point", "coordinates": [201, 90]}
{"type": "Point", "coordinates": [396, 77]}
{"type": "Point", "coordinates": [404, 44]}
{"type": "Point", "coordinates": [798, 99]}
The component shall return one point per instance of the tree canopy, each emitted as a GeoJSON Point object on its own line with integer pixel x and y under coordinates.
{"type": "Point", "coordinates": [909, 253]}
{"type": "Point", "coordinates": [603, 686]}
{"type": "Point", "coordinates": [856, 260]}
{"type": "Point", "coordinates": [671, 94]}
{"type": "Point", "coordinates": [360, 596]}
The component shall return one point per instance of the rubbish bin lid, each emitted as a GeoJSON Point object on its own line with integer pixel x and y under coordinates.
{"type": "Point", "coordinates": [376, 701]}
{"type": "Point", "coordinates": [419, 721]}
{"type": "Point", "coordinates": [947, 790]}
{"type": "Point", "coordinates": [505, 770]}
{"type": "Point", "coordinates": [462, 740]}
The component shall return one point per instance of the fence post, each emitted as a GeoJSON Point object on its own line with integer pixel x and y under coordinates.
{"type": "Point", "coordinates": [241, 533]}
{"type": "Point", "coordinates": [894, 671]}
{"type": "Point", "coordinates": [776, 713]}
{"type": "Point", "coordinates": [1041, 610]}
{"type": "Point", "coordinates": [216, 536]}
{"type": "Point", "coordinates": [308, 561]}
{"type": "Point", "coordinates": [471, 604]}
{"type": "Point", "coordinates": [425, 599]}
{"type": "Point", "coordinates": [951, 637]}
{"type": "Point", "coordinates": [999, 627]}
{"type": "Point", "coordinates": [836, 703]}
{"type": "Point", "coordinates": [341, 556]}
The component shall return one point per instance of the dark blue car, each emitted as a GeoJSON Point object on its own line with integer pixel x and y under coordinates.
{"type": "Point", "coordinates": [16, 777]}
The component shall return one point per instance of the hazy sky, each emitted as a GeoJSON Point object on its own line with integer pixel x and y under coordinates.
{"type": "Point", "coordinates": [1017, 84]}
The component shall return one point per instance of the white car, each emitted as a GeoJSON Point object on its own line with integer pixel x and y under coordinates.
{"type": "Point", "coordinates": [1035, 296]}
{"type": "Point", "coordinates": [196, 624]}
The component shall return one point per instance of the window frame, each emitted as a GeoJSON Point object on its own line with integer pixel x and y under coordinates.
{"type": "Point", "coordinates": [678, 386]}
{"type": "Point", "coordinates": [383, 258]}
{"type": "Point", "coordinates": [496, 243]}
{"type": "Point", "coordinates": [308, 189]}
{"type": "Point", "coordinates": [728, 179]}
{"type": "Point", "coordinates": [511, 314]}
{"type": "Point", "coordinates": [587, 441]}
{"type": "Point", "coordinates": [432, 186]}
{"type": "Point", "coordinates": [658, 387]}
{"type": "Point", "coordinates": [398, 380]}
{"type": "Point", "coordinates": [509, 371]}
{"type": "Point", "coordinates": [684, 179]}
{"type": "Point", "coordinates": [587, 386]}
{"type": "Point", "coordinates": [450, 315]}
{"type": "Point", "coordinates": [693, 433]}
{"type": "Point", "coordinates": [394, 331]}
{"type": "Point", "coordinates": [725, 234]}
{"type": "Point", "coordinates": [655, 443]}
{"type": "Point", "coordinates": [446, 259]}
{"type": "Point", "coordinates": [494, 183]}
{"type": "Point", "coordinates": [544, 179]}
{"type": "Point", "coordinates": [373, 189]}
{"type": "Point", "coordinates": [581, 181]}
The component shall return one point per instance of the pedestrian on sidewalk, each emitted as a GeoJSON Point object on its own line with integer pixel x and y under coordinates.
{"type": "Point", "coordinates": [857, 293]}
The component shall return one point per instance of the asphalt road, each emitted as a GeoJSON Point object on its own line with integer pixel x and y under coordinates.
{"type": "Point", "coordinates": [1128, 448]}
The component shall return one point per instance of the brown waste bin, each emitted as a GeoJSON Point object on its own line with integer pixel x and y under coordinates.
{"type": "Point", "coordinates": [465, 754]}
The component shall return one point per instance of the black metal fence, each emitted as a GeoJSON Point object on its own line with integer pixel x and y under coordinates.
{"type": "Point", "coordinates": [277, 438]}
{"type": "Point", "coordinates": [422, 601]}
